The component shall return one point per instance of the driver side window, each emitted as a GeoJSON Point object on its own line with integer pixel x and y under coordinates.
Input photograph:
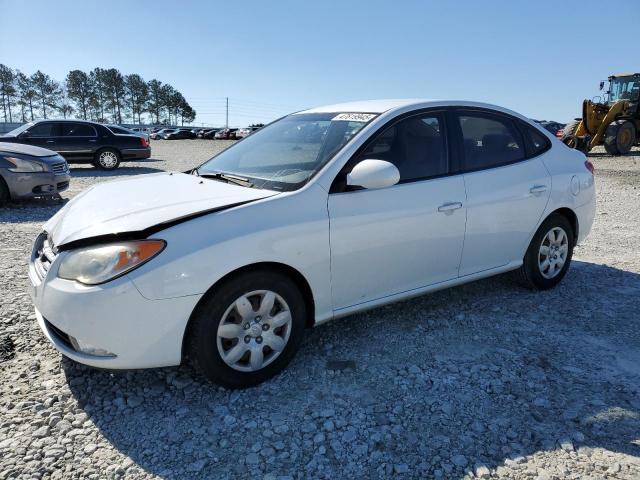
{"type": "Point", "coordinates": [415, 145]}
{"type": "Point", "coordinates": [42, 130]}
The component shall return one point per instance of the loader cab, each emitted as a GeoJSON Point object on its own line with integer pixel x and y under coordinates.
{"type": "Point", "coordinates": [624, 87]}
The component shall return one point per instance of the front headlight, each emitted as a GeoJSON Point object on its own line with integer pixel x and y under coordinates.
{"type": "Point", "coordinates": [102, 263]}
{"type": "Point", "coordinates": [24, 166]}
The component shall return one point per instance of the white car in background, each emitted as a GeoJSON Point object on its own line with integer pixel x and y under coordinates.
{"type": "Point", "coordinates": [319, 215]}
{"type": "Point", "coordinates": [245, 132]}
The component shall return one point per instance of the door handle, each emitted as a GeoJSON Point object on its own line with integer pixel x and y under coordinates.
{"type": "Point", "coordinates": [92, 141]}
{"type": "Point", "coordinates": [538, 189]}
{"type": "Point", "coordinates": [449, 207]}
{"type": "Point", "coordinates": [51, 141]}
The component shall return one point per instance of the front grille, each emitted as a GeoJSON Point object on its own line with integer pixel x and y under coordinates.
{"type": "Point", "coordinates": [44, 255]}
{"type": "Point", "coordinates": [59, 168]}
{"type": "Point", "coordinates": [58, 334]}
{"type": "Point", "coordinates": [62, 186]}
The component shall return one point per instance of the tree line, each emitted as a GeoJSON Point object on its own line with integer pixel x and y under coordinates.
{"type": "Point", "coordinates": [102, 95]}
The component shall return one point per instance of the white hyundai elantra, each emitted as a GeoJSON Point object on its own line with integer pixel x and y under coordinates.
{"type": "Point", "coordinates": [321, 214]}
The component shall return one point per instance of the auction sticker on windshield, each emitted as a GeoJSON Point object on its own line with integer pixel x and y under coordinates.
{"type": "Point", "coordinates": [354, 117]}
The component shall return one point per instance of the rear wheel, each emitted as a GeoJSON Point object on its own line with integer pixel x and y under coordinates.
{"type": "Point", "coordinates": [107, 159]}
{"type": "Point", "coordinates": [248, 329]}
{"type": "Point", "coordinates": [549, 254]}
{"type": "Point", "coordinates": [619, 137]}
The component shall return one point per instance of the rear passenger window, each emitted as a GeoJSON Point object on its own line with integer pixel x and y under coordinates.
{"type": "Point", "coordinates": [77, 130]}
{"type": "Point", "coordinates": [415, 145]}
{"type": "Point", "coordinates": [539, 142]}
{"type": "Point", "coordinates": [489, 141]}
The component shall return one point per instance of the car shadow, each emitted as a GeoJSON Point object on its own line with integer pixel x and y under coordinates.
{"type": "Point", "coordinates": [92, 172]}
{"type": "Point", "coordinates": [481, 374]}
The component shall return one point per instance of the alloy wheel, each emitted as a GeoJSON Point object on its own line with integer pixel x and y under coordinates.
{"type": "Point", "coordinates": [108, 159]}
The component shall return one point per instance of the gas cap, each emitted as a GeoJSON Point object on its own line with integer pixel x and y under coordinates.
{"type": "Point", "coordinates": [575, 185]}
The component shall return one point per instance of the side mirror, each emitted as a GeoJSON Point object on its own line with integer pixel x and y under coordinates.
{"type": "Point", "coordinates": [24, 134]}
{"type": "Point", "coordinates": [601, 85]}
{"type": "Point", "coordinates": [371, 174]}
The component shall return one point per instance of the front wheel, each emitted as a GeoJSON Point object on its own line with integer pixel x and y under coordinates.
{"type": "Point", "coordinates": [549, 254]}
{"type": "Point", "coordinates": [107, 159]}
{"type": "Point", "coordinates": [620, 136]}
{"type": "Point", "coordinates": [247, 330]}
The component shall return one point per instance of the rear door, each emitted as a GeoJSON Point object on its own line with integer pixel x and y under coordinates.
{"type": "Point", "coordinates": [77, 141]}
{"type": "Point", "coordinates": [507, 189]}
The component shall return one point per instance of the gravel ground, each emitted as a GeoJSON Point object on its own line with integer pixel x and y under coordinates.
{"type": "Point", "coordinates": [487, 380]}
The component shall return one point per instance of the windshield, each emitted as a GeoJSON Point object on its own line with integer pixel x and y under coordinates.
{"type": "Point", "coordinates": [625, 88]}
{"type": "Point", "coordinates": [17, 131]}
{"type": "Point", "coordinates": [286, 154]}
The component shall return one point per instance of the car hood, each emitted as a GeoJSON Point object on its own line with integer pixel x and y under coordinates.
{"type": "Point", "coordinates": [23, 149]}
{"type": "Point", "coordinates": [145, 202]}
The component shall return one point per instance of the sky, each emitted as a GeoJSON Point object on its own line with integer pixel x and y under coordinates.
{"type": "Point", "coordinates": [540, 58]}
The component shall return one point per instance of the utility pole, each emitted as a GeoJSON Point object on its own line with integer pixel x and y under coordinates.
{"type": "Point", "coordinates": [227, 121]}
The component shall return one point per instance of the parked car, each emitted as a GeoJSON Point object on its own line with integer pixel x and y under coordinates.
{"type": "Point", "coordinates": [80, 141]}
{"type": "Point", "coordinates": [211, 133]}
{"type": "Point", "coordinates": [245, 132]}
{"type": "Point", "coordinates": [226, 134]}
{"type": "Point", "coordinates": [119, 130]}
{"type": "Point", "coordinates": [180, 133]}
{"type": "Point", "coordinates": [159, 135]}
{"type": "Point", "coordinates": [228, 265]}
{"type": "Point", "coordinates": [27, 171]}
{"type": "Point", "coordinates": [552, 126]}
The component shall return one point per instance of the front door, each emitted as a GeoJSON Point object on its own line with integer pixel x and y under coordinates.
{"type": "Point", "coordinates": [43, 134]}
{"type": "Point", "coordinates": [397, 239]}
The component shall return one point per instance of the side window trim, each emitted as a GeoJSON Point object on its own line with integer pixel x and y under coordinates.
{"type": "Point", "coordinates": [457, 112]}
{"type": "Point", "coordinates": [440, 112]}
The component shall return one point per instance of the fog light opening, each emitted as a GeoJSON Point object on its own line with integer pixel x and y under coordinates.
{"type": "Point", "coordinates": [89, 349]}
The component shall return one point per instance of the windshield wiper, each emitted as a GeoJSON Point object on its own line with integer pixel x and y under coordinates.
{"type": "Point", "coordinates": [229, 178]}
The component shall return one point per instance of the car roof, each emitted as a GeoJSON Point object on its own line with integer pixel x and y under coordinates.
{"type": "Point", "coordinates": [381, 106]}
{"type": "Point", "coordinates": [23, 149]}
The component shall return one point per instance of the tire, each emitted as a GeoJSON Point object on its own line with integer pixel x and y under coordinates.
{"type": "Point", "coordinates": [244, 325]}
{"type": "Point", "coordinates": [570, 139]}
{"type": "Point", "coordinates": [533, 274]}
{"type": "Point", "coordinates": [107, 159]}
{"type": "Point", "coordinates": [5, 195]}
{"type": "Point", "coordinates": [619, 137]}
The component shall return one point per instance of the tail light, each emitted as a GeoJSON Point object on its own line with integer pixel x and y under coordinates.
{"type": "Point", "coordinates": [144, 142]}
{"type": "Point", "coordinates": [589, 166]}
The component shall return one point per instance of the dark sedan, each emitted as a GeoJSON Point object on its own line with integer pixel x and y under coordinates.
{"type": "Point", "coordinates": [210, 133]}
{"type": "Point", "coordinates": [226, 134]}
{"type": "Point", "coordinates": [27, 171]}
{"type": "Point", "coordinates": [179, 134]}
{"type": "Point", "coordinates": [79, 141]}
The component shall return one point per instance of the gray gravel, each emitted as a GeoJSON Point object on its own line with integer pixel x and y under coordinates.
{"type": "Point", "coordinates": [486, 380]}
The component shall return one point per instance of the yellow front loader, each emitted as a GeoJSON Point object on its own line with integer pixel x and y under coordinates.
{"type": "Point", "coordinates": [614, 123]}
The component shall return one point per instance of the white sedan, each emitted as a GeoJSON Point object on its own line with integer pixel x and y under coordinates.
{"type": "Point", "coordinates": [319, 215]}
